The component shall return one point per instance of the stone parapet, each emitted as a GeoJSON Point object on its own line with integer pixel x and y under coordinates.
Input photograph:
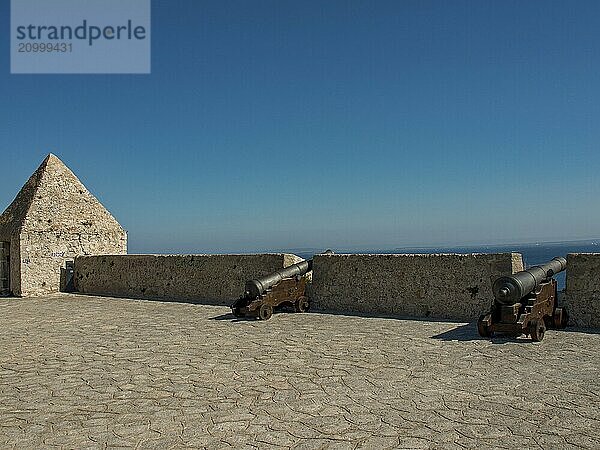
{"type": "Point", "coordinates": [582, 295]}
{"type": "Point", "coordinates": [208, 279]}
{"type": "Point", "coordinates": [442, 286]}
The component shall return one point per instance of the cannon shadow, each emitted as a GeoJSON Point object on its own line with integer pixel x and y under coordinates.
{"type": "Point", "coordinates": [468, 332]}
{"type": "Point", "coordinates": [228, 316]}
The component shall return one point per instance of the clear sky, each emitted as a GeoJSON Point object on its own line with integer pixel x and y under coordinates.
{"type": "Point", "coordinates": [342, 124]}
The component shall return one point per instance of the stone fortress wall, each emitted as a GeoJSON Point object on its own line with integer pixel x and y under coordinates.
{"type": "Point", "coordinates": [456, 287]}
{"type": "Point", "coordinates": [582, 295]}
{"type": "Point", "coordinates": [451, 286]}
{"type": "Point", "coordinates": [209, 279]}
{"type": "Point", "coordinates": [445, 286]}
{"type": "Point", "coordinates": [43, 257]}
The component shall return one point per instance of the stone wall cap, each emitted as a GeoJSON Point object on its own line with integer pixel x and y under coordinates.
{"type": "Point", "coordinates": [177, 255]}
{"type": "Point", "coordinates": [428, 255]}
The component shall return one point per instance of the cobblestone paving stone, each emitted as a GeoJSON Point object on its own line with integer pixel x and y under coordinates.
{"type": "Point", "coordinates": [90, 372]}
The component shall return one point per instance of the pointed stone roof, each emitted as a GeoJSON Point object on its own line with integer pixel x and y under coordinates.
{"type": "Point", "coordinates": [53, 199]}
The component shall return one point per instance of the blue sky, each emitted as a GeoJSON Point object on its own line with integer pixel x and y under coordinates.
{"type": "Point", "coordinates": [356, 124]}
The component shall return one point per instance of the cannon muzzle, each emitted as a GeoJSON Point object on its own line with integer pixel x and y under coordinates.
{"type": "Point", "coordinates": [257, 287]}
{"type": "Point", "coordinates": [509, 290]}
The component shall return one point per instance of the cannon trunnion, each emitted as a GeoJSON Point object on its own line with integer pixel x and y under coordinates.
{"type": "Point", "coordinates": [526, 303]}
{"type": "Point", "coordinates": [283, 287]}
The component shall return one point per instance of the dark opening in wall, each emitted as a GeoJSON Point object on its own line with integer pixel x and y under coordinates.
{"type": "Point", "coordinates": [4, 269]}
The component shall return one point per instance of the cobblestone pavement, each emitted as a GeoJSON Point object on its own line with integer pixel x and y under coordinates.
{"type": "Point", "coordinates": [79, 372]}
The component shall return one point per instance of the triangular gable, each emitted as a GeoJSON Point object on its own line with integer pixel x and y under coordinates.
{"type": "Point", "coordinates": [53, 199]}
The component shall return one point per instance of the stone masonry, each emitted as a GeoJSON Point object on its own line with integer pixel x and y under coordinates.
{"type": "Point", "coordinates": [53, 219]}
{"type": "Point", "coordinates": [452, 286]}
{"type": "Point", "coordinates": [209, 279]}
{"type": "Point", "coordinates": [583, 289]}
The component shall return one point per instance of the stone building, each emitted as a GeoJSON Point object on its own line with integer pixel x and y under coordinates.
{"type": "Point", "coordinates": [53, 219]}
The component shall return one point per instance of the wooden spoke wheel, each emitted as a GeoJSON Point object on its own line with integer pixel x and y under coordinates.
{"type": "Point", "coordinates": [301, 304]}
{"type": "Point", "coordinates": [537, 329]}
{"type": "Point", "coordinates": [265, 312]}
{"type": "Point", "coordinates": [483, 328]}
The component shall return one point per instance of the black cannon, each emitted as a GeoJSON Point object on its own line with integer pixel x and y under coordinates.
{"type": "Point", "coordinates": [256, 288]}
{"type": "Point", "coordinates": [284, 287]}
{"type": "Point", "coordinates": [526, 303]}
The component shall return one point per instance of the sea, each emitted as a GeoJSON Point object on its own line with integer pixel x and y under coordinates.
{"type": "Point", "coordinates": [533, 253]}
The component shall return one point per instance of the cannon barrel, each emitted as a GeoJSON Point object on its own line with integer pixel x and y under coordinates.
{"type": "Point", "coordinates": [256, 287]}
{"type": "Point", "coordinates": [509, 290]}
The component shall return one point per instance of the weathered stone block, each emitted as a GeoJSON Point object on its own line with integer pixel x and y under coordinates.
{"type": "Point", "coordinates": [582, 295]}
{"type": "Point", "coordinates": [452, 286]}
{"type": "Point", "coordinates": [209, 279]}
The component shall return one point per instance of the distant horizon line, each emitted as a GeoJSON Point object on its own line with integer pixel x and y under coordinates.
{"type": "Point", "coordinates": [374, 249]}
{"type": "Point", "coordinates": [592, 241]}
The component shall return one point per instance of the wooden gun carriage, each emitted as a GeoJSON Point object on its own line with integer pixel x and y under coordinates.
{"type": "Point", "coordinates": [283, 287]}
{"type": "Point", "coordinates": [526, 303]}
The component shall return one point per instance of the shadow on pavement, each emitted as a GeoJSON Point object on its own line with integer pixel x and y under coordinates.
{"type": "Point", "coordinates": [231, 318]}
{"type": "Point", "coordinates": [283, 309]}
{"type": "Point", "coordinates": [574, 329]}
{"type": "Point", "coordinates": [186, 301]}
{"type": "Point", "coordinates": [468, 332]}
